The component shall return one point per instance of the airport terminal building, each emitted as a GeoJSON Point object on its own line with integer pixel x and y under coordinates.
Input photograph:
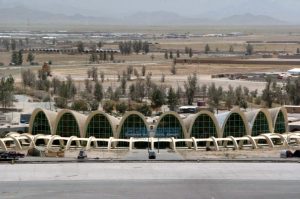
{"type": "Point", "coordinates": [134, 125]}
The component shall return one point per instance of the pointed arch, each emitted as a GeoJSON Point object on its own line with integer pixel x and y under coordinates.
{"type": "Point", "coordinates": [233, 123]}
{"type": "Point", "coordinates": [100, 125]}
{"type": "Point", "coordinates": [69, 123]}
{"type": "Point", "coordinates": [42, 122]}
{"type": "Point", "coordinates": [260, 122]}
{"type": "Point", "coordinates": [170, 124]}
{"type": "Point", "coordinates": [203, 125]}
{"type": "Point", "coordinates": [133, 124]}
{"type": "Point", "coordinates": [279, 119]}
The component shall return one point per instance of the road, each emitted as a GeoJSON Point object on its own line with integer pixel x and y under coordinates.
{"type": "Point", "coordinates": [150, 180]}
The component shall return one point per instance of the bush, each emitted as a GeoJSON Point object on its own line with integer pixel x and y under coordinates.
{"type": "Point", "coordinates": [143, 108]}
{"type": "Point", "coordinates": [80, 105]}
{"type": "Point", "coordinates": [121, 107]}
{"type": "Point", "coordinates": [61, 102]}
{"type": "Point", "coordinates": [94, 104]}
{"type": "Point", "coordinates": [108, 106]}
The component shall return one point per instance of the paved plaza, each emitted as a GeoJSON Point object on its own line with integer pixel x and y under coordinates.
{"type": "Point", "coordinates": [150, 180]}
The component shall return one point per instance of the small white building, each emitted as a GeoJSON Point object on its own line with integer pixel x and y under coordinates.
{"type": "Point", "coordinates": [295, 71]}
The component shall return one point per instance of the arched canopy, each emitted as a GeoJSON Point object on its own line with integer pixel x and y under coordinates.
{"type": "Point", "coordinates": [203, 125]}
{"type": "Point", "coordinates": [233, 123]}
{"type": "Point", "coordinates": [42, 122]}
{"type": "Point", "coordinates": [100, 125]}
{"type": "Point", "coordinates": [260, 121]}
{"type": "Point", "coordinates": [133, 124]}
{"type": "Point", "coordinates": [170, 125]}
{"type": "Point", "coordinates": [280, 120]}
{"type": "Point", "coordinates": [69, 123]}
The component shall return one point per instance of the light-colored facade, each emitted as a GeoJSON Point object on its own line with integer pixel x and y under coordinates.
{"type": "Point", "coordinates": [204, 124]}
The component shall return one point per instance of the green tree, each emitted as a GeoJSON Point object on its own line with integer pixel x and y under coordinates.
{"type": "Point", "coordinates": [13, 44]}
{"type": "Point", "coordinates": [177, 54]}
{"type": "Point", "coordinates": [171, 55]}
{"type": "Point", "coordinates": [6, 91]}
{"type": "Point", "coordinates": [157, 97]}
{"type": "Point", "coordinates": [67, 88]}
{"type": "Point", "coordinates": [88, 86]}
{"type": "Point", "coordinates": [249, 49]}
{"type": "Point", "coordinates": [112, 58]}
{"type": "Point", "coordinates": [80, 47]}
{"type": "Point", "coordinates": [15, 57]}
{"type": "Point", "coordinates": [191, 52]}
{"type": "Point", "coordinates": [61, 102]}
{"type": "Point", "coordinates": [98, 91]}
{"type": "Point", "coordinates": [108, 106]}
{"type": "Point", "coordinates": [80, 105]}
{"type": "Point", "coordinates": [166, 55]}
{"type": "Point", "coordinates": [100, 44]}
{"type": "Point", "coordinates": [190, 88]}
{"type": "Point", "coordinates": [121, 107]}
{"type": "Point", "coordinates": [229, 97]}
{"type": "Point", "coordinates": [298, 50]}
{"type": "Point", "coordinates": [146, 47]}
{"type": "Point", "coordinates": [172, 99]}
{"type": "Point", "coordinates": [206, 49]}
{"type": "Point", "coordinates": [94, 73]}
{"type": "Point", "coordinates": [173, 69]}
{"type": "Point", "coordinates": [56, 83]}
{"type": "Point", "coordinates": [28, 78]}
{"type": "Point", "coordinates": [30, 57]}
{"type": "Point", "coordinates": [94, 105]}
{"type": "Point", "coordinates": [123, 84]}
{"type": "Point", "coordinates": [94, 58]}
{"type": "Point", "coordinates": [20, 57]}
{"type": "Point", "coordinates": [267, 95]}
{"type": "Point", "coordinates": [231, 49]}
{"type": "Point", "coordinates": [143, 70]}
{"type": "Point", "coordinates": [102, 76]}
{"type": "Point", "coordinates": [144, 109]}
{"type": "Point", "coordinates": [215, 96]}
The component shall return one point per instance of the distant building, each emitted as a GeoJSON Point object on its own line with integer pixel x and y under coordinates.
{"type": "Point", "coordinates": [295, 71]}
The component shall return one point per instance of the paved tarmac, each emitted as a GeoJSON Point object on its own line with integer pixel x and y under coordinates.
{"type": "Point", "coordinates": [151, 180]}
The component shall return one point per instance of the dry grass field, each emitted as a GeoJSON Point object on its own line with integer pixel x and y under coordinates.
{"type": "Point", "coordinates": [77, 65]}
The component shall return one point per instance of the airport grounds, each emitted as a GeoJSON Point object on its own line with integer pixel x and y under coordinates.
{"type": "Point", "coordinates": [251, 173]}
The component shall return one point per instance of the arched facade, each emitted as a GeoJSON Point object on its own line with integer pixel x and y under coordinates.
{"type": "Point", "coordinates": [100, 125]}
{"type": "Point", "coordinates": [233, 123]}
{"type": "Point", "coordinates": [280, 120]}
{"type": "Point", "coordinates": [260, 122]}
{"type": "Point", "coordinates": [42, 122]}
{"type": "Point", "coordinates": [203, 125]}
{"type": "Point", "coordinates": [133, 124]}
{"type": "Point", "coordinates": [69, 123]}
{"type": "Point", "coordinates": [170, 125]}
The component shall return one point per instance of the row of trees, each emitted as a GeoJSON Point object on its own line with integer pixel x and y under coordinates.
{"type": "Point", "coordinates": [13, 44]}
{"type": "Point", "coordinates": [103, 56]}
{"type": "Point", "coordinates": [127, 47]}
{"type": "Point", "coordinates": [6, 91]}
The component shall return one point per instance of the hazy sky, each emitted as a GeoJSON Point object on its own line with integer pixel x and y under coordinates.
{"type": "Point", "coordinates": [281, 9]}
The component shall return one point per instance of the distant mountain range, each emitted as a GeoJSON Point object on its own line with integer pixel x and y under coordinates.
{"type": "Point", "coordinates": [22, 14]}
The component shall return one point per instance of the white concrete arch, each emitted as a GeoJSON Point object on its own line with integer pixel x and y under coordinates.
{"type": "Point", "coordinates": [127, 115]}
{"type": "Point", "coordinates": [274, 112]}
{"type": "Point", "coordinates": [190, 121]}
{"type": "Point", "coordinates": [112, 121]}
{"type": "Point", "coordinates": [50, 115]}
{"type": "Point", "coordinates": [252, 116]}
{"type": "Point", "coordinates": [185, 134]}
{"type": "Point", "coordinates": [223, 118]}
{"type": "Point", "coordinates": [80, 119]}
